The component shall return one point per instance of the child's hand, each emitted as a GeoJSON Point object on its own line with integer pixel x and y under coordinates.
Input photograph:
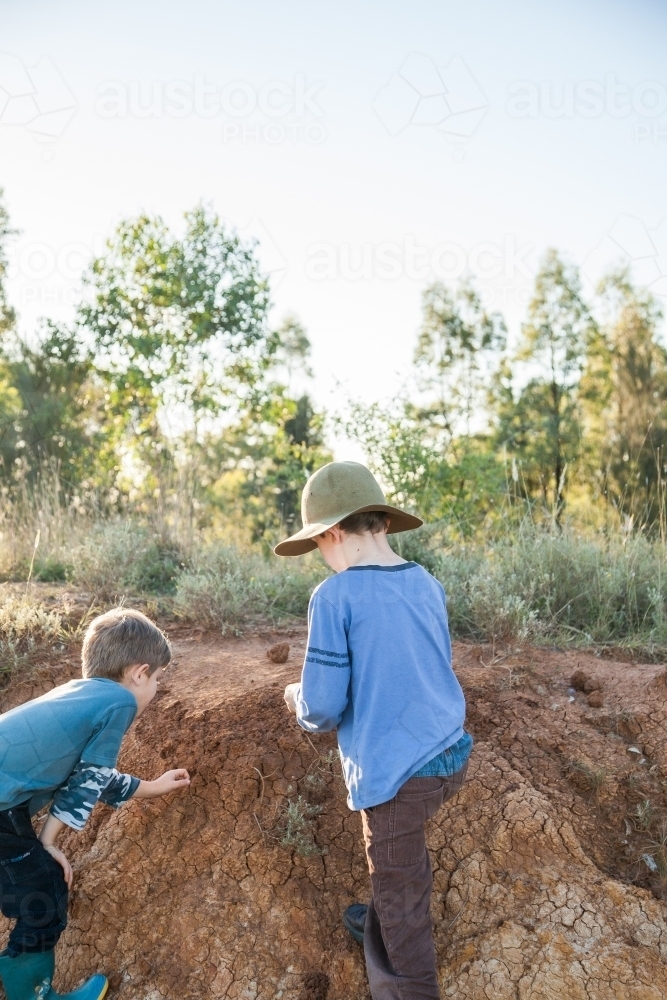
{"type": "Point", "coordinates": [170, 781]}
{"type": "Point", "coordinates": [62, 861]}
{"type": "Point", "coordinates": [291, 692]}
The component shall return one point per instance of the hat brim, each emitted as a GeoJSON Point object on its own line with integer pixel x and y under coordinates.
{"type": "Point", "coordinates": [302, 541]}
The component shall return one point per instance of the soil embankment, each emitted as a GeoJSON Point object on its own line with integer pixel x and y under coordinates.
{"type": "Point", "coordinates": [549, 868]}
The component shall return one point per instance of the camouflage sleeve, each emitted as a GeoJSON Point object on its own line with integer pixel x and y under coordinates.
{"type": "Point", "coordinates": [88, 784]}
{"type": "Point", "coordinates": [121, 788]}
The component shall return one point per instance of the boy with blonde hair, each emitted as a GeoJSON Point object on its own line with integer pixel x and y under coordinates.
{"type": "Point", "coordinates": [378, 669]}
{"type": "Point", "coordinates": [62, 748]}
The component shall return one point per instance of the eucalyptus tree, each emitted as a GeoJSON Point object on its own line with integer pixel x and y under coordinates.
{"type": "Point", "coordinates": [458, 341]}
{"type": "Point", "coordinates": [625, 395]}
{"type": "Point", "coordinates": [179, 329]}
{"type": "Point", "coordinates": [540, 422]}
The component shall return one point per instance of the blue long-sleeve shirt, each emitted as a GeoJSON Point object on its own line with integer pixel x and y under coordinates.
{"type": "Point", "coordinates": [379, 669]}
{"type": "Point", "coordinates": [48, 747]}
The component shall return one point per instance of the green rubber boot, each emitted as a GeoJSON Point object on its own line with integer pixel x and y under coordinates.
{"type": "Point", "coordinates": [24, 975]}
{"type": "Point", "coordinates": [28, 977]}
{"type": "Point", "coordinates": [93, 989]}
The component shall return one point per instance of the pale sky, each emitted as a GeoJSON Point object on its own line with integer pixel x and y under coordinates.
{"type": "Point", "coordinates": [371, 146]}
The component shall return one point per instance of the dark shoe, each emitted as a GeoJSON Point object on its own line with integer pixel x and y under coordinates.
{"type": "Point", "coordinates": [354, 919]}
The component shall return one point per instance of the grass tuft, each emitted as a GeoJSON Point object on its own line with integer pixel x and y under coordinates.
{"type": "Point", "coordinates": [559, 588]}
{"type": "Point", "coordinates": [298, 829]}
{"type": "Point", "coordinates": [585, 777]}
{"type": "Point", "coordinates": [228, 589]}
{"type": "Point", "coordinates": [26, 626]}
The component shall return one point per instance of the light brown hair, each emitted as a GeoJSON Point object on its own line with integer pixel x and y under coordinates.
{"type": "Point", "coordinates": [119, 639]}
{"type": "Point", "coordinates": [369, 520]}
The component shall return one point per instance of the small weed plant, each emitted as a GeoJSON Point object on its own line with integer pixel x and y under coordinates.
{"type": "Point", "coordinates": [585, 776]}
{"type": "Point", "coordinates": [298, 828]}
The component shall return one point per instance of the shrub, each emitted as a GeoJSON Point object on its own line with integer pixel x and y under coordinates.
{"type": "Point", "coordinates": [559, 587]}
{"type": "Point", "coordinates": [51, 570]}
{"type": "Point", "coordinates": [25, 627]}
{"type": "Point", "coordinates": [225, 588]}
{"type": "Point", "coordinates": [123, 556]}
{"type": "Point", "coordinates": [156, 568]}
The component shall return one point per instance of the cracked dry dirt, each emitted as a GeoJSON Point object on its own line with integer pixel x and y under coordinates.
{"type": "Point", "coordinates": [544, 885]}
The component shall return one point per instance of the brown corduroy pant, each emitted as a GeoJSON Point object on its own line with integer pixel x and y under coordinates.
{"type": "Point", "coordinates": [398, 935]}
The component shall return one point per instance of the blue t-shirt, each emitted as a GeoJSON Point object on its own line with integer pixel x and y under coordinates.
{"type": "Point", "coordinates": [379, 668]}
{"type": "Point", "coordinates": [42, 741]}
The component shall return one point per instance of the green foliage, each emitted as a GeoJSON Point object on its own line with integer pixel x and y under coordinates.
{"type": "Point", "coordinates": [541, 423]}
{"type": "Point", "coordinates": [171, 382]}
{"type": "Point", "coordinates": [508, 585]}
{"type": "Point", "coordinates": [417, 449]}
{"type": "Point", "coordinates": [172, 415]}
{"type": "Point", "coordinates": [177, 320]}
{"type": "Point", "coordinates": [7, 314]}
{"type": "Point", "coordinates": [624, 391]}
{"type": "Point", "coordinates": [264, 461]}
{"type": "Point", "coordinates": [460, 485]}
{"type": "Point", "coordinates": [119, 557]}
{"type": "Point", "coordinates": [156, 568]}
{"type": "Point", "coordinates": [50, 569]}
{"type": "Point", "coordinates": [52, 416]}
{"type": "Point", "coordinates": [226, 588]}
{"type": "Point", "coordinates": [558, 586]}
{"type": "Point", "coordinates": [180, 333]}
{"type": "Point", "coordinates": [292, 347]}
{"type": "Point", "coordinates": [457, 340]}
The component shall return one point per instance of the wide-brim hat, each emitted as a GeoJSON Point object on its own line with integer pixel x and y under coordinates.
{"type": "Point", "coordinates": [333, 493]}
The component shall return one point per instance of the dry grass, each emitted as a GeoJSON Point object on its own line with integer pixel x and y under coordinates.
{"type": "Point", "coordinates": [527, 585]}
{"type": "Point", "coordinates": [27, 628]}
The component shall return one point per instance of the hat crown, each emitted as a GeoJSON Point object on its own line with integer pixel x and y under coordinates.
{"type": "Point", "coordinates": [337, 489]}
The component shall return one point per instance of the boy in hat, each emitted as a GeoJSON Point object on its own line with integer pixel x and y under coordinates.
{"type": "Point", "coordinates": [62, 748]}
{"type": "Point", "coordinates": [378, 669]}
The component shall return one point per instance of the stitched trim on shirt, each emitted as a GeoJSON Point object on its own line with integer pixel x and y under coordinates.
{"type": "Point", "coordinates": [317, 595]}
{"type": "Point", "coordinates": [326, 663]}
{"type": "Point", "coordinates": [327, 652]}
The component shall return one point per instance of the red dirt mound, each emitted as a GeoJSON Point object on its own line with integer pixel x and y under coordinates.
{"type": "Point", "coordinates": [549, 867]}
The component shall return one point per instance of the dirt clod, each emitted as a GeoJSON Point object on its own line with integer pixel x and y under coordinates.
{"type": "Point", "coordinates": [579, 679]}
{"type": "Point", "coordinates": [278, 653]}
{"type": "Point", "coordinates": [596, 698]}
{"type": "Point", "coordinates": [315, 987]}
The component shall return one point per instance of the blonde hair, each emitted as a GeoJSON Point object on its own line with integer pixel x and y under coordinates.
{"type": "Point", "coordinates": [122, 638]}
